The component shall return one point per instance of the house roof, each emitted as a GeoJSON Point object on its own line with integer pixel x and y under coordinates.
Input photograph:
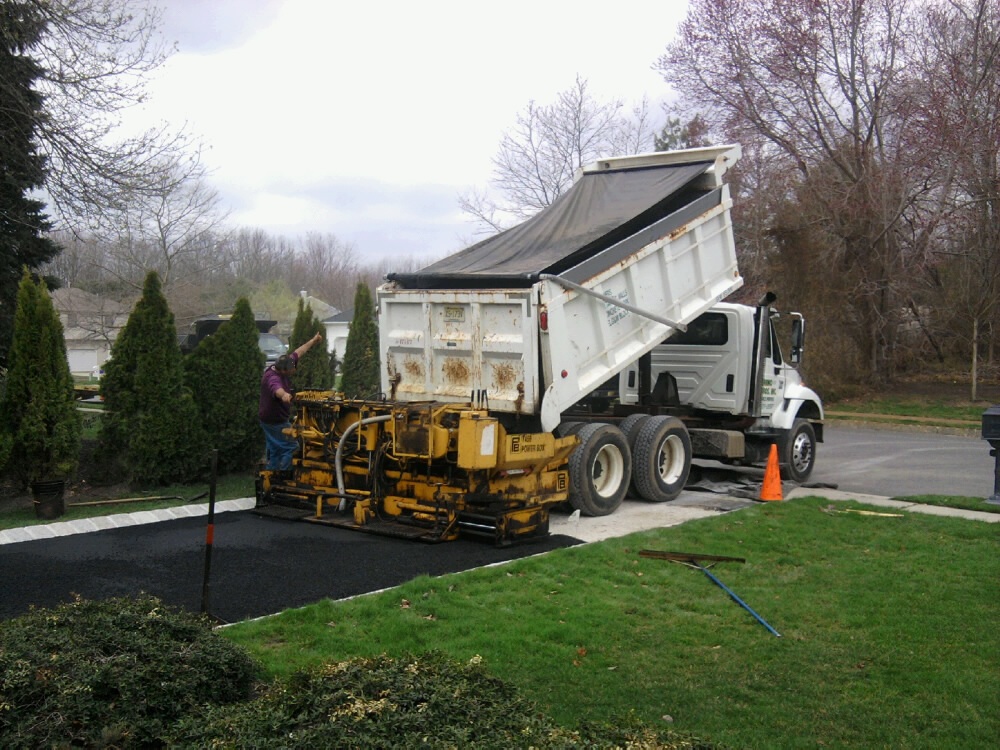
{"type": "Point", "coordinates": [342, 317]}
{"type": "Point", "coordinates": [71, 299]}
{"type": "Point", "coordinates": [320, 309]}
{"type": "Point", "coordinates": [88, 317]}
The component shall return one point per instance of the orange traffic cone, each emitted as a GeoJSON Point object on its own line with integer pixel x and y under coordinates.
{"type": "Point", "coordinates": [771, 489]}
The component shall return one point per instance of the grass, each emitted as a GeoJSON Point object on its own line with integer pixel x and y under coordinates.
{"type": "Point", "coordinates": [887, 629]}
{"type": "Point", "coordinates": [228, 487]}
{"type": "Point", "coordinates": [896, 409]}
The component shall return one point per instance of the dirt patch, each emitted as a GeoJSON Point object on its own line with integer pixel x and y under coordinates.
{"type": "Point", "coordinates": [13, 497]}
{"type": "Point", "coordinates": [86, 486]}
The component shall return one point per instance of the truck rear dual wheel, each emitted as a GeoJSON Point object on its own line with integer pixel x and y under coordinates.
{"type": "Point", "coordinates": [661, 458]}
{"type": "Point", "coordinates": [599, 469]}
{"type": "Point", "coordinates": [630, 427]}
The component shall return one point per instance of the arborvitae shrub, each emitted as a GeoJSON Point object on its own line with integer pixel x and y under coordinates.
{"type": "Point", "coordinates": [39, 421]}
{"type": "Point", "coordinates": [151, 431]}
{"type": "Point", "coordinates": [314, 370]}
{"type": "Point", "coordinates": [223, 375]}
{"type": "Point", "coordinates": [361, 355]}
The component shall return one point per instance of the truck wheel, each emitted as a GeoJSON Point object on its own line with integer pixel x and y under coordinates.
{"type": "Point", "coordinates": [662, 459]}
{"type": "Point", "coordinates": [630, 427]}
{"type": "Point", "coordinates": [599, 470]}
{"type": "Point", "coordinates": [565, 429]}
{"type": "Point", "coordinates": [798, 451]}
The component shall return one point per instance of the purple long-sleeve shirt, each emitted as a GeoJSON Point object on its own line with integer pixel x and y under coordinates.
{"type": "Point", "coordinates": [272, 410]}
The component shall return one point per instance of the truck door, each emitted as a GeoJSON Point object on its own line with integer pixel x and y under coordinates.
{"type": "Point", "coordinates": [705, 362]}
{"type": "Point", "coordinates": [773, 375]}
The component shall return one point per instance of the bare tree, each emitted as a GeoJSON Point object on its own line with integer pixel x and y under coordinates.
{"type": "Point", "coordinates": [822, 85]}
{"type": "Point", "coordinates": [959, 73]}
{"type": "Point", "coordinates": [538, 158]}
{"type": "Point", "coordinates": [254, 256]}
{"type": "Point", "coordinates": [96, 56]}
{"type": "Point", "coordinates": [173, 230]}
{"type": "Point", "coordinates": [327, 267]}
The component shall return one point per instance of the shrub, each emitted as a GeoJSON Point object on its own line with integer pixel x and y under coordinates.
{"type": "Point", "coordinates": [428, 701]}
{"type": "Point", "coordinates": [223, 376]}
{"type": "Point", "coordinates": [361, 355]}
{"type": "Point", "coordinates": [114, 673]}
{"type": "Point", "coordinates": [315, 370]}
{"type": "Point", "coordinates": [38, 417]}
{"type": "Point", "coordinates": [151, 428]}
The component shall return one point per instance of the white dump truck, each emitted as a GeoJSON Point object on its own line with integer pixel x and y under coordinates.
{"type": "Point", "coordinates": [543, 366]}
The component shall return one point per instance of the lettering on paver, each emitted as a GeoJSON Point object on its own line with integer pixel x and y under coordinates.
{"type": "Point", "coordinates": [526, 444]}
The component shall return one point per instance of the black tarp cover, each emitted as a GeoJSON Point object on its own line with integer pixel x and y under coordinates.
{"type": "Point", "coordinates": [601, 209]}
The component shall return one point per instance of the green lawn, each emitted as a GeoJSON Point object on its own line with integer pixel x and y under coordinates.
{"type": "Point", "coordinates": [888, 629]}
{"type": "Point", "coordinates": [912, 411]}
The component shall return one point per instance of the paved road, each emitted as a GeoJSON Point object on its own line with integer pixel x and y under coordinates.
{"type": "Point", "coordinates": [902, 463]}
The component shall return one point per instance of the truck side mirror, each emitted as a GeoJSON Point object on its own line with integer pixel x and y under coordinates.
{"type": "Point", "coordinates": [798, 338]}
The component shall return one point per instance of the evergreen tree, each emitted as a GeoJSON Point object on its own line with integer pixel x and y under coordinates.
{"type": "Point", "coordinates": [151, 432]}
{"type": "Point", "coordinates": [361, 355]}
{"type": "Point", "coordinates": [22, 219]}
{"type": "Point", "coordinates": [40, 423]}
{"type": "Point", "coordinates": [314, 367]}
{"type": "Point", "coordinates": [223, 374]}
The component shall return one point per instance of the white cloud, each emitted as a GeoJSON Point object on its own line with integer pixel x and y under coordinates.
{"type": "Point", "coordinates": [293, 96]}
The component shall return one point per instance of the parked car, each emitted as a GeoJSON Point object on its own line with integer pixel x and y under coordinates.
{"type": "Point", "coordinates": [272, 346]}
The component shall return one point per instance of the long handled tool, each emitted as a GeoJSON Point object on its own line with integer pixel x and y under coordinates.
{"type": "Point", "coordinates": [736, 599]}
{"type": "Point", "coordinates": [693, 559]}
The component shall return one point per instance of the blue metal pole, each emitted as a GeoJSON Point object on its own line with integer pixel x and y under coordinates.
{"type": "Point", "coordinates": [737, 599]}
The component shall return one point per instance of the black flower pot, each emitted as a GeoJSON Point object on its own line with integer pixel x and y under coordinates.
{"type": "Point", "coordinates": [48, 498]}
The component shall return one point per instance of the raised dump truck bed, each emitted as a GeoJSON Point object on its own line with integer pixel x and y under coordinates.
{"type": "Point", "coordinates": [535, 318]}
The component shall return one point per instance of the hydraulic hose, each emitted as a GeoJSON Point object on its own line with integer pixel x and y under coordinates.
{"type": "Point", "coordinates": [338, 461]}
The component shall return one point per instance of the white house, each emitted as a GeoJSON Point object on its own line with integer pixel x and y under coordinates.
{"type": "Point", "coordinates": [90, 325]}
{"type": "Point", "coordinates": [337, 328]}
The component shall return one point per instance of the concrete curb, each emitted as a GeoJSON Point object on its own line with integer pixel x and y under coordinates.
{"type": "Point", "coordinates": [118, 520]}
{"type": "Point", "coordinates": [885, 502]}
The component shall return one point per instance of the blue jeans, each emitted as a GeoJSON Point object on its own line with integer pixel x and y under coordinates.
{"type": "Point", "coordinates": [280, 447]}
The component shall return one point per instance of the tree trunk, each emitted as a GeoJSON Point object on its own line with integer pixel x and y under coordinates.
{"type": "Point", "coordinates": [975, 358]}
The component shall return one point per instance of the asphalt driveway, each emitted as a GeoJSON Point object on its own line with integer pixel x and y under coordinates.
{"type": "Point", "coordinates": [259, 566]}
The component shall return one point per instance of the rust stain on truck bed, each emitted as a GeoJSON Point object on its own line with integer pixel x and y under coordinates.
{"type": "Point", "coordinates": [455, 371]}
{"type": "Point", "coordinates": [504, 376]}
{"type": "Point", "coordinates": [414, 368]}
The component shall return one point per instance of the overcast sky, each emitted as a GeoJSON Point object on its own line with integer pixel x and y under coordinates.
{"type": "Point", "coordinates": [368, 119]}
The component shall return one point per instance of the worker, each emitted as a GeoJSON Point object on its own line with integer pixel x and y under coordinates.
{"type": "Point", "coordinates": [275, 408]}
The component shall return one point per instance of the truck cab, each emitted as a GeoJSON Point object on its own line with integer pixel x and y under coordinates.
{"type": "Point", "coordinates": [728, 372]}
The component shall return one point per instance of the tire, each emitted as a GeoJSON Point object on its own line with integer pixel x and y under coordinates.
{"type": "Point", "coordinates": [599, 470]}
{"type": "Point", "coordinates": [798, 452]}
{"type": "Point", "coordinates": [565, 429]}
{"type": "Point", "coordinates": [630, 427]}
{"type": "Point", "coordinates": [662, 459]}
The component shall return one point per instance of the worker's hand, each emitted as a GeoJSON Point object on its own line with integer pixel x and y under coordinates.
{"type": "Point", "coordinates": [317, 338]}
{"type": "Point", "coordinates": [286, 397]}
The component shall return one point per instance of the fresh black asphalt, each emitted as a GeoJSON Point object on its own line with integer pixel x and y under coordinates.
{"type": "Point", "coordinates": [259, 566]}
